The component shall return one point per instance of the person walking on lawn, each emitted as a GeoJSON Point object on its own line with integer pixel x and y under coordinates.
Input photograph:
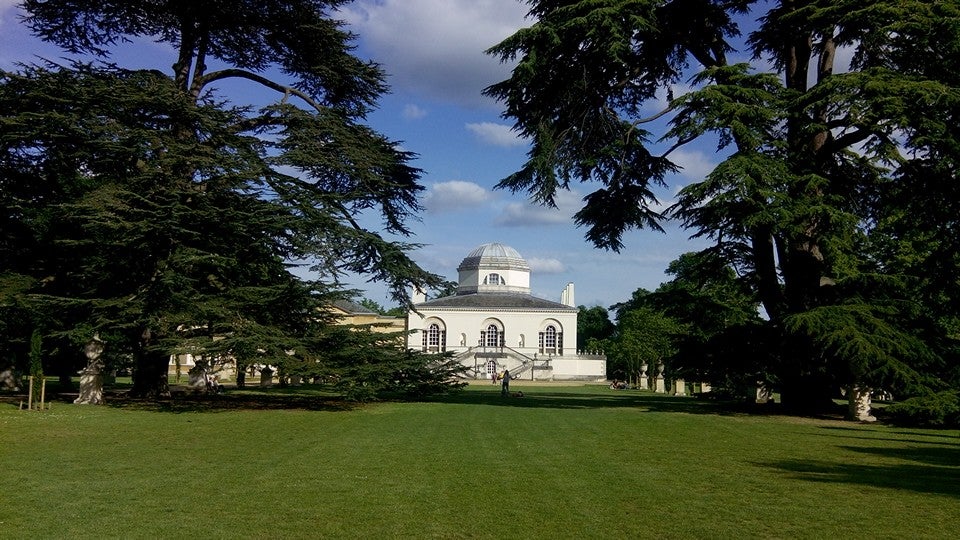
{"type": "Point", "coordinates": [505, 385]}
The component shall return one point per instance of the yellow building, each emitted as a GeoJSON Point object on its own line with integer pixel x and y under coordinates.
{"type": "Point", "coordinates": [354, 314]}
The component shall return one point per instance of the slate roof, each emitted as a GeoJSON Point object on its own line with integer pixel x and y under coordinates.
{"type": "Point", "coordinates": [495, 301]}
{"type": "Point", "coordinates": [352, 308]}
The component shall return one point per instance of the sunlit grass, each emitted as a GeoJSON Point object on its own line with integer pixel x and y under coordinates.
{"type": "Point", "coordinates": [562, 462]}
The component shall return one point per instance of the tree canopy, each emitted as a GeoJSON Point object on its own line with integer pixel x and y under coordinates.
{"type": "Point", "coordinates": [826, 166]}
{"type": "Point", "coordinates": [147, 208]}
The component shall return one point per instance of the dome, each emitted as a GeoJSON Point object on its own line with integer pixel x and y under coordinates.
{"type": "Point", "coordinates": [494, 249]}
{"type": "Point", "coordinates": [494, 267]}
{"type": "Point", "coordinates": [496, 254]}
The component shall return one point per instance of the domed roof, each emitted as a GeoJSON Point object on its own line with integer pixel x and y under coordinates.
{"type": "Point", "coordinates": [493, 268]}
{"type": "Point", "coordinates": [494, 249]}
{"type": "Point", "coordinates": [494, 253]}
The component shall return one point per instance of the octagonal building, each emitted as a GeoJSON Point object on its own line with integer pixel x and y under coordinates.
{"type": "Point", "coordinates": [494, 323]}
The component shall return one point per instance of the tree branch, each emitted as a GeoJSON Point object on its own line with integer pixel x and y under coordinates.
{"type": "Point", "coordinates": [850, 139]}
{"type": "Point", "coordinates": [200, 63]}
{"type": "Point", "coordinates": [679, 143]}
{"type": "Point", "coordinates": [243, 74]}
{"type": "Point", "coordinates": [654, 117]}
{"type": "Point", "coordinates": [181, 68]}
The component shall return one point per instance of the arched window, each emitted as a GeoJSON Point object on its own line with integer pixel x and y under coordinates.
{"type": "Point", "coordinates": [492, 333]}
{"type": "Point", "coordinates": [551, 340]}
{"type": "Point", "coordinates": [494, 279]}
{"type": "Point", "coordinates": [492, 336]}
{"type": "Point", "coordinates": [434, 339]}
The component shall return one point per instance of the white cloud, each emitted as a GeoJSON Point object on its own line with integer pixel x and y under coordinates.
{"type": "Point", "coordinates": [662, 101]}
{"type": "Point", "coordinates": [435, 47]}
{"type": "Point", "coordinates": [496, 134]}
{"type": "Point", "coordinates": [413, 112]}
{"type": "Point", "coordinates": [546, 266]}
{"type": "Point", "coordinates": [530, 214]}
{"type": "Point", "coordinates": [695, 165]}
{"type": "Point", "coordinates": [455, 195]}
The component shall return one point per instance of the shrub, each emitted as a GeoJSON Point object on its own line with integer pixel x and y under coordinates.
{"type": "Point", "coordinates": [940, 410]}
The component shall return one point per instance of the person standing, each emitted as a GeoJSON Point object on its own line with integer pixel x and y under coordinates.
{"type": "Point", "coordinates": [505, 384]}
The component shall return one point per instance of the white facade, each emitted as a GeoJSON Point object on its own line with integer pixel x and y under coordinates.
{"type": "Point", "coordinates": [494, 323]}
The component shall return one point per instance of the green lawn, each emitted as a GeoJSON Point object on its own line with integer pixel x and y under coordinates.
{"type": "Point", "coordinates": [562, 462]}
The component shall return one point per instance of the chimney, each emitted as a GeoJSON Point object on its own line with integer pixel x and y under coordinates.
{"type": "Point", "coordinates": [566, 297]}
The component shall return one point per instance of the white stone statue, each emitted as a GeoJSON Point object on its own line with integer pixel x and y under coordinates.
{"type": "Point", "coordinates": [91, 377]}
{"type": "Point", "coordinates": [859, 404]}
{"type": "Point", "coordinates": [8, 380]}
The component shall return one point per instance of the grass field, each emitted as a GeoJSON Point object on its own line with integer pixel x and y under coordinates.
{"type": "Point", "coordinates": [561, 462]}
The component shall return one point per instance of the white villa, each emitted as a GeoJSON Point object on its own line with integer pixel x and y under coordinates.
{"type": "Point", "coordinates": [493, 323]}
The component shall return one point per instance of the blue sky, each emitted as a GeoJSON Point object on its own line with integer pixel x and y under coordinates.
{"type": "Point", "coordinates": [432, 51]}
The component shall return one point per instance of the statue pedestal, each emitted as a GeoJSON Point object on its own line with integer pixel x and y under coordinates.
{"type": "Point", "coordinates": [659, 386]}
{"type": "Point", "coordinates": [763, 394]}
{"type": "Point", "coordinates": [91, 387]}
{"type": "Point", "coordinates": [679, 387]}
{"type": "Point", "coordinates": [859, 404]}
{"type": "Point", "coordinates": [266, 377]}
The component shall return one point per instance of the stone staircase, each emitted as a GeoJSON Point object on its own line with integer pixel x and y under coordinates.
{"type": "Point", "coordinates": [520, 365]}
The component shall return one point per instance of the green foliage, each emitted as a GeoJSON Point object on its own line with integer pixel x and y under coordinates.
{"type": "Point", "coordinates": [875, 351]}
{"type": "Point", "coordinates": [397, 311]}
{"type": "Point", "coordinates": [644, 336]}
{"type": "Point", "coordinates": [364, 363]}
{"type": "Point", "coordinates": [372, 306]}
{"type": "Point", "coordinates": [593, 327]}
{"type": "Point", "coordinates": [718, 335]}
{"type": "Point", "coordinates": [826, 173]}
{"type": "Point", "coordinates": [937, 410]}
{"type": "Point", "coordinates": [143, 207]}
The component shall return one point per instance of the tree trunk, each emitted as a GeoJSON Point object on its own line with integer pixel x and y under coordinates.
{"type": "Point", "coordinates": [150, 379]}
{"type": "Point", "coordinates": [805, 386]}
{"type": "Point", "coordinates": [241, 374]}
{"type": "Point", "coordinates": [150, 375]}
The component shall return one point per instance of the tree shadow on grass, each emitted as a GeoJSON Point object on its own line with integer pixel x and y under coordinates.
{"type": "Point", "coordinates": [932, 479]}
{"type": "Point", "coordinates": [233, 401]}
{"type": "Point", "coordinates": [541, 398]}
{"type": "Point", "coordinates": [928, 438]}
{"type": "Point", "coordinates": [939, 456]}
{"type": "Point", "coordinates": [311, 399]}
{"type": "Point", "coordinates": [953, 435]}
